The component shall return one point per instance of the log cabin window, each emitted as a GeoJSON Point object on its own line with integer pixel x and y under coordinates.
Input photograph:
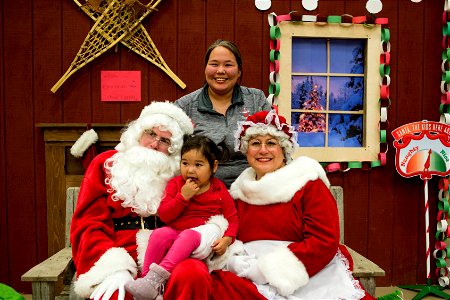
{"type": "Point", "coordinates": [330, 89]}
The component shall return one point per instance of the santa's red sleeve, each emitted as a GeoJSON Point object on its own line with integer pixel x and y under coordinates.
{"type": "Point", "coordinates": [92, 232]}
{"type": "Point", "coordinates": [320, 239]}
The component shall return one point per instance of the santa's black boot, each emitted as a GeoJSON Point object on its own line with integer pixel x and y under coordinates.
{"type": "Point", "coordinates": [150, 286]}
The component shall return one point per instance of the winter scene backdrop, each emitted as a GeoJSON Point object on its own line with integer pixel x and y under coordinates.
{"type": "Point", "coordinates": [325, 89]}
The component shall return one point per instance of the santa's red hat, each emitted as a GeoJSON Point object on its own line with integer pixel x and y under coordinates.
{"type": "Point", "coordinates": [266, 122]}
{"type": "Point", "coordinates": [85, 148]}
{"type": "Point", "coordinates": [158, 114]}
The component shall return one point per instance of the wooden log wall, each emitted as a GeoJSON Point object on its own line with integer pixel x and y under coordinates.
{"type": "Point", "coordinates": [384, 215]}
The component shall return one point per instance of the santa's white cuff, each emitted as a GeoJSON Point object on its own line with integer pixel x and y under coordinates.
{"type": "Point", "coordinates": [283, 270]}
{"type": "Point", "coordinates": [210, 232]}
{"type": "Point", "coordinates": [220, 221]}
{"type": "Point", "coordinates": [219, 262]}
{"type": "Point", "coordinates": [113, 260]}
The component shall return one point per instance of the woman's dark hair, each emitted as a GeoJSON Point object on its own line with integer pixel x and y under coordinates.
{"type": "Point", "coordinates": [230, 46]}
{"type": "Point", "coordinates": [205, 146]}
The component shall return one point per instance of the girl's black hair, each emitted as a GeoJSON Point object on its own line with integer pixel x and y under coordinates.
{"type": "Point", "coordinates": [207, 147]}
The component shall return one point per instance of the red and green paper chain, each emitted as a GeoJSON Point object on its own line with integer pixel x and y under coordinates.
{"type": "Point", "coordinates": [442, 251]}
{"type": "Point", "coordinates": [385, 81]}
{"type": "Point", "coordinates": [442, 232]}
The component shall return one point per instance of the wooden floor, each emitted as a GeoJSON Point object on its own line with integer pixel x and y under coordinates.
{"type": "Point", "coordinates": [380, 291]}
{"type": "Point", "coordinates": [407, 295]}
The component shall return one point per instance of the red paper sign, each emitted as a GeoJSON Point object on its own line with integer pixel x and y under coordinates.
{"type": "Point", "coordinates": [121, 85]}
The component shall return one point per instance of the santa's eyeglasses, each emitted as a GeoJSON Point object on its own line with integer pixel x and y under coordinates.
{"type": "Point", "coordinates": [162, 141]}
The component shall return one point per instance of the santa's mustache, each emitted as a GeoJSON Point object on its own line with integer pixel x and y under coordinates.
{"type": "Point", "coordinates": [138, 177]}
{"type": "Point", "coordinates": [142, 157]}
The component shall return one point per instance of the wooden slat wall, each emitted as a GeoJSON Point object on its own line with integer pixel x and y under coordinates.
{"type": "Point", "coordinates": [47, 108]}
{"type": "Point", "coordinates": [384, 213]}
{"type": "Point", "coordinates": [408, 109]}
{"type": "Point", "coordinates": [18, 136]}
{"type": "Point", "coordinates": [159, 85]}
{"type": "Point", "coordinates": [4, 254]}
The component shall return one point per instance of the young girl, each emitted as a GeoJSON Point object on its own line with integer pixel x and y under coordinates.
{"type": "Point", "coordinates": [199, 213]}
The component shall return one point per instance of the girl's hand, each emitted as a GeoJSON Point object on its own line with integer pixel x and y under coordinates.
{"type": "Point", "coordinates": [189, 189]}
{"type": "Point", "coordinates": [220, 246]}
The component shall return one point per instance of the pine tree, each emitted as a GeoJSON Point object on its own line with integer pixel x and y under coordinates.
{"type": "Point", "coordinates": [312, 122]}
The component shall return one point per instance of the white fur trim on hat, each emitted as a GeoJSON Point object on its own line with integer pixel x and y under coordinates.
{"type": "Point", "coordinates": [171, 110]}
{"type": "Point", "coordinates": [283, 270]}
{"type": "Point", "coordinates": [273, 125]}
{"type": "Point", "coordinates": [88, 138]}
{"type": "Point", "coordinates": [158, 114]}
{"type": "Point", "coordinates": [113, 260]}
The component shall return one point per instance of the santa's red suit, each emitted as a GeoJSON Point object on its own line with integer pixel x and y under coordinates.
{"type": "Point", "coordinates": [98, 250]}
{"type": "Point", "coordinates": [118, 198]}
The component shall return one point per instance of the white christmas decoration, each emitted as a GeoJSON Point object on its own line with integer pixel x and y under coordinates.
{"type": "Point", "coordinates": [310, 4]}
{"type": "Point", "coordinates": [416, 1]}
{"type": "Point", "coordinates": [88, 138]}
{"type": "Point", "coordinates": [374, 6]}
{"type": "Point", "coordinates": [263, 4]}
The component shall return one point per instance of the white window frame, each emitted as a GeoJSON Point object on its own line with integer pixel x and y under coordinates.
{"type": "Point", "coordinates": [371, 112]}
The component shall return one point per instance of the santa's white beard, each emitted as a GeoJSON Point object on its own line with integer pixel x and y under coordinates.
{"type": "Point", "coordinates": [138, 177]}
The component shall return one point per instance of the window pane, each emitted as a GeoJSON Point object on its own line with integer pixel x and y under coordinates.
{"type": "Point", "coordinates": [309, 55]}
{"type": "Point", "coordinates": [346, 93]}
{"type": "Point", "coordinates": [308, 92]}
{"type": "Point", "coordinates": [311, 139]}
{"type": "Point", "coordinates": [347, 56]}
{"type": "Point", "coordinates": [345, 130]}
{"type": "Point", "coordinates": [311, 128]}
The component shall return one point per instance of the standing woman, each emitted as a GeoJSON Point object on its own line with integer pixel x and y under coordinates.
{"type": "Point", "coordinates": [221, 103]}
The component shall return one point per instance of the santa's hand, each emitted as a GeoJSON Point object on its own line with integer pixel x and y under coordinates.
{"type": "Point", "coordinates": [246, 266]}
{"type": "Point", "coordinates": [110, 284]}
{"type": "Point", "coordinates": [209, 234]}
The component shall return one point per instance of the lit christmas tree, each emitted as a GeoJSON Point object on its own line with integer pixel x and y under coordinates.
{"type": "Point", "coordinates": [312, 122]}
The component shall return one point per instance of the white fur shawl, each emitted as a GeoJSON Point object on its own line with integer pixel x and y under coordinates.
{"type": "Point", "coordinates": [278, 186]}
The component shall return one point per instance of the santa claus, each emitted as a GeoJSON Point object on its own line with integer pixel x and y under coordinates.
{"type": "Point", "coordinates": [119, 197]}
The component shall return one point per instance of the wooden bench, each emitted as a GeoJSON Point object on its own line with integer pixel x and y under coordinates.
{"type": "Point", "coordinates": [52, 278]}
{"type": "Point", "coordinates": [363, 269]}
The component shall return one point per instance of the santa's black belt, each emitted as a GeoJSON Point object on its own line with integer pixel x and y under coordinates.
{"type": "Point", "coordinates": [129, 223]}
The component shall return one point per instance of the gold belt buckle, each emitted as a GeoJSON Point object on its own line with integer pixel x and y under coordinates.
{"type": "Point", "coordinates": [142, 223]}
